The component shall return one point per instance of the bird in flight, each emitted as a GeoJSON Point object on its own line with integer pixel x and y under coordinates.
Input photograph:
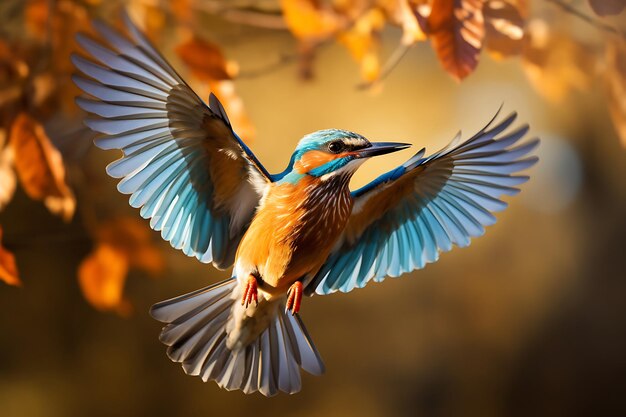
{"type": "Point", "coordinates": [299, 232]}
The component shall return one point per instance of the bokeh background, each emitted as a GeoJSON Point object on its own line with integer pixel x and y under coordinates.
{"type": "Point", "coordinates": [530, 320]}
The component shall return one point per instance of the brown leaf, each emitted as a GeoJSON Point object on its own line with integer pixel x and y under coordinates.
{"type": "Point", "coordinates": [133, 238]}
{"type": "Point", "coordinates": [13, 73]}
{"type": "Point", "coordinates": [122, 243]}
{"type": "Point", "coordinates": [183, 11]}
{"type": "Point", "coordinates": [39, 166]}
{"type": "Point", "coordinates": [615, 76]}
{"type": "Point", "coordinates": [308, 19]}
{"type": "Point", "coordinates": [404, 13]}
{"type": "Point", "coordinates": [207, 63]}
{"type": "Point", "coordinates": [7, 174]}
{"type": "Point", "coordinates": [36, 15]}
{"type": "Point", "coordinates": [456, 30]}
{"type": "Point", "coordinates": [150, 16]}
{"type": "Point", "coordinates": [607, 7]}
{"type": "Point", "coordinates": [205, 59]}
{"type": "Point", "coordinates": [102, 276]}
{"type": "Point", "coordinates": [363, 43]}
{"type": "Point", "coordinates": [69, 18]}
{"type": "Point", "coordinates": [8, 267]}
{"type": "Point", "coordinates": [556, 63]}
{"type": "Point", "coordinates": [504, 28]}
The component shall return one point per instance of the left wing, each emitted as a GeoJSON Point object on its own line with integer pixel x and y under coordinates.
{"type": "Point", "coordinates": [182, 163]}
{"type": "Point", "coordinates": [404, 218]}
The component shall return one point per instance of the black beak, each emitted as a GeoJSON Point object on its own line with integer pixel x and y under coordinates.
{"type": "Point", "coordinates": [381, 148]}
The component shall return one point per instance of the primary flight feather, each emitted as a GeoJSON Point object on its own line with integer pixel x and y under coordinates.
{"type": "Point", "coordinates": [302, 231]}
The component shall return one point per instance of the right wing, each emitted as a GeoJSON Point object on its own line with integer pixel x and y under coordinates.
{"type": "Point", "coordinates": [404, 218]}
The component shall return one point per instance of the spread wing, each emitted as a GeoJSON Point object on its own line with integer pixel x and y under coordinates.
{"type": "Point", "coordinates": [404, 218]}
{"type": "Point", "coordinates": [182, 163]}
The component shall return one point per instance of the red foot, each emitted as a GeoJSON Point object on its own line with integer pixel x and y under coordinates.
{"type": "Point", "coordinates": [250, 292]}
{"type": "Point", "coordinates": [294, 298]}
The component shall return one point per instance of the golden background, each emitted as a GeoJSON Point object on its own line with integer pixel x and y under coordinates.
{"type": "Point", "coordinates": [530, 320]}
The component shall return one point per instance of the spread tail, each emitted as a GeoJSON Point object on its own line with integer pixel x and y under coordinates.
{"type": "Point", "coordinates": [196, 335]}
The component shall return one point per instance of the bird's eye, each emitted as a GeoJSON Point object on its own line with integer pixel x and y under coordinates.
{"type": "Point", "coordinates": [336, 147]}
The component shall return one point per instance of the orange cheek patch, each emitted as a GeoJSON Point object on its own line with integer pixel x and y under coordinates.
{"type": "Point", "coordinates": [312, 160]}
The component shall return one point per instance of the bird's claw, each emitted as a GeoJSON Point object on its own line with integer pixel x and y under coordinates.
{"type": "Point", "coordinates": [294, 298]}
{"type": "Point", "coordinates": [250, 293]}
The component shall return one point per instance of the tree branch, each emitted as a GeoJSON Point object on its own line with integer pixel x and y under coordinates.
{"type": "Point", "coordinates": [568, 8]}
{"type": "Point", "coordinates": [245, 15]}
{"type": "Point", "coordinates": [390, 65]}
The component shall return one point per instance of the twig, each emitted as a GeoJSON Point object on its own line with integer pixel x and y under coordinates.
{"type": "Point", "coordinates": [592, 21]}
{"type": "Point", "coordinates": [390, 65]}
{"type": "Point", "coordinates": [283, 60]}
{"type": "Point", "coordinates": [246, 16]}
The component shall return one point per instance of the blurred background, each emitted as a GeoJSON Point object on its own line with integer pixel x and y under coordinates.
{"type": "Point", "coordinates": [530, 320]}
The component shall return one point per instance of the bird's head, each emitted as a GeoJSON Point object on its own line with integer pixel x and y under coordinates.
{"type": "Point", "coordinates": [328, 152]}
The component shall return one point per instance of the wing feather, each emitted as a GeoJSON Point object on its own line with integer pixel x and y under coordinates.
{"type": "Point", "coordinates": [406, 217]}
{"type": "Point", "coordinates": [182, 164]}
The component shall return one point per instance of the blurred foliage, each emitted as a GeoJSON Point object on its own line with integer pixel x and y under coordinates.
{"type": "Point", "coordinates": [45, 149]}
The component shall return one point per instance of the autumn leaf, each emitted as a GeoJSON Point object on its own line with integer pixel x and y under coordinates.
{"type": "Point", "coordinates": [456, 31]}
{"type": "Point", "coordinates": [36, 15]}
{"type": "Point", "coordinates": [308, 19]}
{"type": "Point", "coordinates": [122, 243]}
{"type": "Point", "coordinates": [149, 15]}
{"type": "Point", "coordinates": [133, 238]}
{"type": "Point", "coordinates": [7, 174]}
{"type": "Point", "coordinates": [205, 59]}
{"type": "Point", "coordinates": [615, 77]}
{"type": "Point", "coordinates": [555, 63]}
{"type": "Point", "coordinates": [8, 267]}
{"type": "Point", "coordinates": [363, 43]}
{"type": "Point", "coordinates": [55, 25]}
{"type": "Point", "coordinates": [607, 7]}
{"type": "Point", "coordinates": [401, 13]}
{"type": "Point", "coordinates": [207, 63]}
{"type": "Point", "coordinates": [13, 73]}
{"type": "Point", "coordinates": [101, 276]}
{"type": "Point", "coordinates": [504, 29]}
{"type": "Point", "coordinates": [39, 166]}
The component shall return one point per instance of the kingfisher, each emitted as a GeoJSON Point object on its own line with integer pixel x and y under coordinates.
{"type": "Point", "coordinates": [300, 232]}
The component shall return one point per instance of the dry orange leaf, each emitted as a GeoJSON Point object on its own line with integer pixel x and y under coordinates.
{"type": "Point", "coordinates": [504, 28]}
{"type": "Point", "coordinates": [122, 243]}
{"type": "Point", "coordinates": [36, 14]}
{"type": "Point", "coordinates": [205, 59]}
{"type": "Point", "coordinates": [133, 238]}
{"type": "Point", "coordinates": [8, 267]}
{"type": "Point", "coordinates": [101, 277]}
{"type": "Point", "coordinates": [607, 7]}
{"type": "Point", "coordinates": [207, 63]}
{"type": "Point", "coordinates": [363, 43]}
{"type": "Point", "coordinates": [409, 15]}
{"type": "Point", "coordinates": [555, 63]}
{"type": "Point", "coordinates": [70, 17]}
{"type": "Point", "coordinates": [39, 166]}
{"type": "Point", "coordinates": [615, 76]}
{"type": "Point", "coordinates": [308, 19]}
{"type": "Point", "coordinates": [456, 30]}
{"type": "Point", "coordinates": [149, 15]}
{"type": "Point", "coordinates": [7, 174]}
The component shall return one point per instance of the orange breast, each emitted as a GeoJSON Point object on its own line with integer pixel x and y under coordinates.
{"type": "Point", "coordinates": [294, 230]}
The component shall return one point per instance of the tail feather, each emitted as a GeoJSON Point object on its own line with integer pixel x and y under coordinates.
{"type": "Point", "coordinates": [196, 336]}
